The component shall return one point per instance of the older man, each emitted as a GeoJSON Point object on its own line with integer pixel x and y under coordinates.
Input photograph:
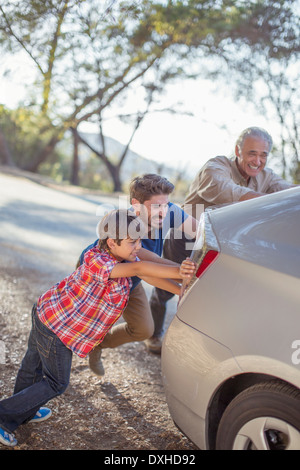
{"type": "Point", "coordinates": [221, 180]}
{"type": "Point", "coordinates": [224, 180]}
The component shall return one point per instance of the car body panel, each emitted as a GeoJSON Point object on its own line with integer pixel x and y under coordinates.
{"type": "Point", "coordinates": [263, 230]}
{"type": "Point", "coordinates": [242, 316]}
{"type": "Point", "coordinates": [195, 366]}
{"type": "Point", "coordinates": [192, 364]}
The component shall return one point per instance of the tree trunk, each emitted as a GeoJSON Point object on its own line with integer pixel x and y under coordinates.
{"type": "Point", "coordinates": [5, 155]}
{"type": "Point", "coordinates": [75, 162]}
{"type": "Point", "coordinates": [114, 170]}
{"type": "Point", "coordinates": [115, 174]}
{"type": "Point", "coordinates": [43, 154]}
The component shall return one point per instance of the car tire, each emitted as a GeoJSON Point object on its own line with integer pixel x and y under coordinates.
{"type": "Point", "coordinates": [265, 416]}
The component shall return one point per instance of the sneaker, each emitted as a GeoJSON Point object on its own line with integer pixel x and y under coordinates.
{"type": "Point", "coordinates": [41, 415]}
{"type": "Point", "coordinates": [7, 438]}
{"type": "Point", "coordinates": [154, 344]}
{"type": "Point", "coordinates": [95, 362]}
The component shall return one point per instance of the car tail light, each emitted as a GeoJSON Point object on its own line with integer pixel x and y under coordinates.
{"type": "Point", "coordinates": [205, 252]}
{"type": "Point", "coordinates": [208, 259]}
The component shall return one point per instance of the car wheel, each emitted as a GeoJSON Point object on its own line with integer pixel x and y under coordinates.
{"type": "Point", "coordinates": [266, 416]}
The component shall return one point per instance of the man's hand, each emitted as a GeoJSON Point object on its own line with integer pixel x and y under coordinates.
{"type": "Point", "coordinates": [187, 269]}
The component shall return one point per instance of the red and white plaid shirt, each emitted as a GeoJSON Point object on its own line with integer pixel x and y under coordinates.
{"type": "Point", "coordinates": [83, 307]}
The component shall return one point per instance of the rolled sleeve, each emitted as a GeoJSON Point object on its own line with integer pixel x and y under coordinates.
{"type": "Point", "coordinates": [100, 271]}
{"type": "Point", "coordinates": [274, 183]}
{"type": "Point", "coordinates": [99, 267]}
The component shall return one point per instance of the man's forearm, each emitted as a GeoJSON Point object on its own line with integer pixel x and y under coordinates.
{"type": "Point", "coordinates": [146, 255]}
{"type": "Point", "coordinates": [166, 284]}
{"type": "Point", "coordinates": [250, 195]}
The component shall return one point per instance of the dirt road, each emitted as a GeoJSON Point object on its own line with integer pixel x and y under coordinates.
{"type": "Point", "coordinates": [42, 233]}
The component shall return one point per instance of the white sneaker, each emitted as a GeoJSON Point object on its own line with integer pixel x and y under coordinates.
{"type": "Point", "coordinates": [7, 438]}
{"type": "Point", "coordinates": [41, 415]}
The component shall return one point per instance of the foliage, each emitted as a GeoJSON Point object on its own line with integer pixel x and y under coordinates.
{"type": "Point", "coordinates": [22, 129]}
{"type": "Point", "coordinates": [268, 77]}
{"type": "Point", "coordinates": [89, 59]}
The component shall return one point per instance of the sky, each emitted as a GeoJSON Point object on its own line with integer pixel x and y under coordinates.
{"type": "Point", "coordinates": [181, 140]}
{"type": "Point", "coordinates": [184, 142]}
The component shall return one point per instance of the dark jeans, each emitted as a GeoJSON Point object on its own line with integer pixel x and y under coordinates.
{"type": "Point", "coordinates": [43, 375]}
{"type": "Point", "coordinates": [175, 249]}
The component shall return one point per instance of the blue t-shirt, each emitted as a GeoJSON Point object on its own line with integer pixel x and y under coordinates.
{"type": "Point", "coordinates": [174, 219]}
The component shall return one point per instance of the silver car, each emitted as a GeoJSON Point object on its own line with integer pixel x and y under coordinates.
{"type": "Point", "coordinates": [231, 356]}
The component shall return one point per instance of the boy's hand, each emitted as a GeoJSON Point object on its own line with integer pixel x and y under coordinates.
{"type": "Point", "coordinates": [187, 268]}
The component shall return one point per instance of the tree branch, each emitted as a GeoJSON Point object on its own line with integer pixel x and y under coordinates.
{"type": "Point", "coordinates": [20, 41]}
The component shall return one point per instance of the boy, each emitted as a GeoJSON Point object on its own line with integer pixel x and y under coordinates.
{"type": "Point", "coordinates": [75, 315]}
{"type": "Point", "coordinates": [149, 199]}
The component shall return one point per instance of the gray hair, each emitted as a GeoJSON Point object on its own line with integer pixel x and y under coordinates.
{"type": "Point", "coordinates": [255, 132]}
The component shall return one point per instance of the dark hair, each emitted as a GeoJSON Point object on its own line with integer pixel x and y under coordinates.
{"type": "Point", "coordinates": [144, 187]}
{"type": "Point", "coordinates": [118, 225]}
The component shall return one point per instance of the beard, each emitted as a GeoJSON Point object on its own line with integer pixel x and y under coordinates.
{"type": "Point", "coordinates": [156, 222]}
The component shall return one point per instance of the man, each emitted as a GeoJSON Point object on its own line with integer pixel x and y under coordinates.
{"type": "Point", "coordinates": [149, 197]}
{"type": "Point", "coordinates": [220, 181]}
{"type": "Point", "coordinates": [225, 180]}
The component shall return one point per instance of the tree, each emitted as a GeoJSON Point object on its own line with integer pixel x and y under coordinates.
{"type": "Point", "coordinates": [87, 60]}
{"type": "Point", "coordinates": [5, 152]}
{"type": "Point", "coordinates": [20, 129]}
{"type": "Point", "coordinates": [269, 78]}
{"type": "Point", "coordinates": [277, 93]}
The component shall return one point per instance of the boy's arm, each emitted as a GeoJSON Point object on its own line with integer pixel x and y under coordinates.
{"type": "Point", "coordinates": [148, 269]}
{"type": "Point", "coordinates": [145, 268]}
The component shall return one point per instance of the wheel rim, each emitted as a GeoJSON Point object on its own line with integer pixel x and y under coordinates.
{"type": "Point", "coordinates": [267, 433]}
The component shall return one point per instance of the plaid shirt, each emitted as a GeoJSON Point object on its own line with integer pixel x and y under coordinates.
{"type": "Point", "coordinates": [83, 307]}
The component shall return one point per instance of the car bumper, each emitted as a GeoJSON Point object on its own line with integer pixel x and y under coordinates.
{"type": "Point", "coordinates": [193, 367]}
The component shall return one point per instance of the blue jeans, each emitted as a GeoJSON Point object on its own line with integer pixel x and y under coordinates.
{"type": "Point", "coordinates": [43, 375]}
